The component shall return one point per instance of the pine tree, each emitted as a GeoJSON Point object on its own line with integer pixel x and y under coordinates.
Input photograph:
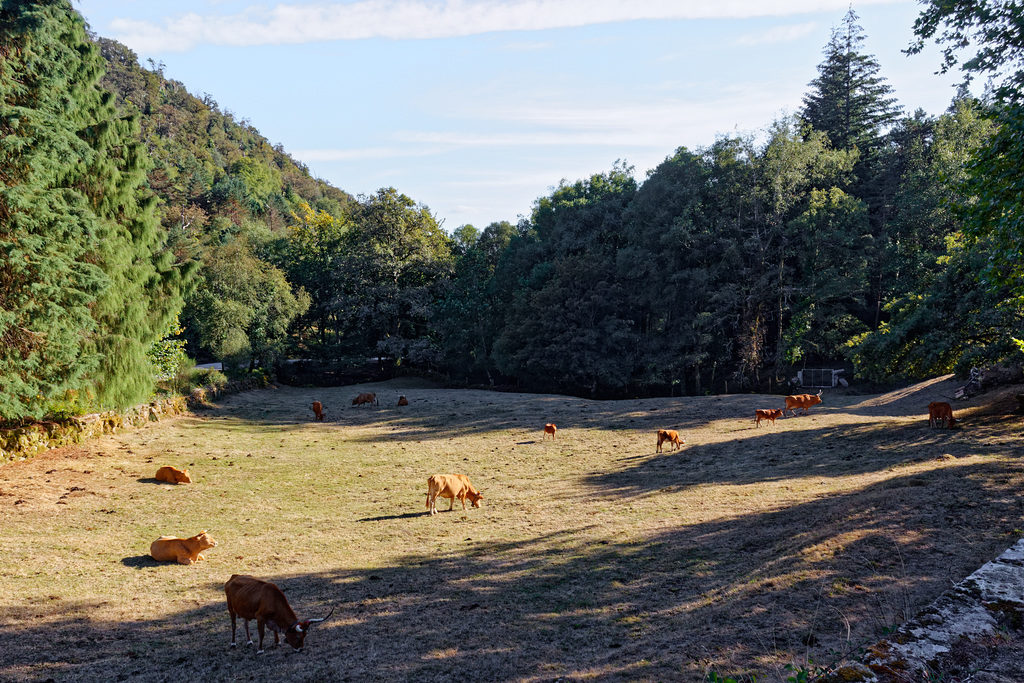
{"type": "Point", "coordinates": [85, 286]}
{"type": "Point", "coordinates": [849, 101]}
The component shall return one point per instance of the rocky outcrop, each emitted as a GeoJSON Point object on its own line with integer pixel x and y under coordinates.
{"type": "Point", "coordinates": [956, 636]}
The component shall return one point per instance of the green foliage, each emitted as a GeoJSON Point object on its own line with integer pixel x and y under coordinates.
{"type": "Point", "coordinates": [189, 378]}
{"type": "Point", "coordinates": [565, 324]}
{"type": "Point", "coordinates": [995, 32]}
{"type": "Point", "coordinates": [167, 354]}
{"type": "Point", "coordinates": [825, 237]}
{"type": "Point", "coordinates": [467, 315]}
{"type": "Point", "coordinates": [956, 323]}
{"type": "Point", "coordinates": [87, 286]}
{"type": "Point", "coordinates": [241, 312]}
{"type": "Point", "coordinates": [395, 257]}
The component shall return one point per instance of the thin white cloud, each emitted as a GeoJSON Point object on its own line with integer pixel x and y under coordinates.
{"type": "Point", "coordinates": [291, 23]}
{"type": "Point", "coordinates": [649, 130]}
{"type": "Point", "coordinates": [779, 34]}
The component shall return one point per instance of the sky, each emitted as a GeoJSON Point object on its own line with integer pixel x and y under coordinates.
{"type": "Point", "coordinates": [477, 108]}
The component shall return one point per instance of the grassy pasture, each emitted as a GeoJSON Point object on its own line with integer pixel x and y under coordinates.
{"type": "Point", "coordinates": [592, 558]}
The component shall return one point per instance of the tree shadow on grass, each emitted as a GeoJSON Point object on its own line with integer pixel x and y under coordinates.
{"type": "Point", "coordinates": [827, 452]}
{"type": "Point", "coordinates": [740, 594]}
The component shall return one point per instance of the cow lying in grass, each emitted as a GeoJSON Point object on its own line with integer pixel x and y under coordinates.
{"type": "Point", "coordinates": [172, 475]}
{"type": "Point", "coordinates": [451, 486]}
{"type": "Point", "coordinates": [181, 550]}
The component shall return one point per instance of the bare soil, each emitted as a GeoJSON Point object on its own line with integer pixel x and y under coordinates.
{"type": "Point", "coordinates": [592, 558]}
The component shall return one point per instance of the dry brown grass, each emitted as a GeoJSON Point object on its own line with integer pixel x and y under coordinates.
{"type": "Point", "coordinates": [592, 558]}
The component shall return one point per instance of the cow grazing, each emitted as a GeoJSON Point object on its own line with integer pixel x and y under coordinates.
{"type": "Point", "coordinates": [318, 411]}
{"type": "Point", "coordinates": [670, 435]}
{"type": "Point", "coordinates": [940, 412]}
{"type": "Point", "coordinates": [804, 401]}
{"type": "Point", "coordinates": [172, 475]}
{"type": "Point", "coordinates": [181, 550]}
{"type": "Point", "coordinates": [251, 598]}
{"type": "Point", "coordinates": [451, 486]}
{"type": "Point", "coordinates": [403, 401]}
{"type": "Point", "coordinates": [367, 397]}
{"type": "Point", "coordinates": [550, 428]}
{"type": "Point", "coordinates": [769, 415]}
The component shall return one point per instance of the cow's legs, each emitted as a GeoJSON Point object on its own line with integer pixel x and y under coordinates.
{"type": "Point", "coordinates": [451, 504]}
{"type": "Point", "coordinates": [247, 636]}
{"type": "Point", "coordinates": [232, 629]}
{"type": "Point", "coordinates": [259, 628]}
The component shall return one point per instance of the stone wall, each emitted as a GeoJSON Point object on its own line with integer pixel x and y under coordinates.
{"type": "Point", "coordinates": [24, 442]}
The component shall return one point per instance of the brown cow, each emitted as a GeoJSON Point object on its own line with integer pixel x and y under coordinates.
{"type": "Point", "coordinates": [940, 412]}
{"type": "Point", "coordinates": [318, 411]}
{"type": "Point", "coordinates": [181, 550]}
{"type": "Point", "coordinates": [252, 598]}
{"type": "Point", "coordinates": [403, 401]}
{"type": "Point", "coordinates": [367, 397]}
{"type": "Point", "coordinates": [769, 415]}
{"type": "Point", "coordinates": [550, 428]}
{"type": "Point", "coordinates": [172, 475]}
{"type": "Point", "coordinates": [670, 435]}
{"type": "Point", "coordinates": [451, 486]}
{"type": "Point", "coordinates": [804, 401]}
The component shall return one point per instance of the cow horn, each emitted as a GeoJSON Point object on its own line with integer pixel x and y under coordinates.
{"type": "Point", "coordinates": [313, 621]}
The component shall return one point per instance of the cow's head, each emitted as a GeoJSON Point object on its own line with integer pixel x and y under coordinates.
{"type": "Point", "coordinates": [205, 540]}
{"type": "Point", "coordinates": [296, 633]}
{"type": "Point", "coordinates": [475, 497]}
{"type": "Point", "coordinates": [184, 477]}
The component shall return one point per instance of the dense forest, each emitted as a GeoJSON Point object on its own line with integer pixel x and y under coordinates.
{"type": "Point", "coordinates": [142, 226]}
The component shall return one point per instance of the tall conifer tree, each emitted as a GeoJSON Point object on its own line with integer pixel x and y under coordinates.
{"type": "Point", "coordinates": [85, 286]}
{"type": "Point", "coordinates": [849, 101]}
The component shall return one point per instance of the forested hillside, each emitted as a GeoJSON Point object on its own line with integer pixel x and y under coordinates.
{"type": "Point", "coordinates": [140, 223]}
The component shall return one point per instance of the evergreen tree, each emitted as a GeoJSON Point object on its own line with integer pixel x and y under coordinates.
{"type": "Point", "coordinates": [849, 101]}
{"type": "Point", "coordinates": [85, 287]}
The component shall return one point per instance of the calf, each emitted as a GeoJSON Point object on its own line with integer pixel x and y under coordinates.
{"type": "Point", "coordinates": [769, 415]}
{"type": "Point", "coordinates": [451, 486]}
{"type": "Point", "coordinates": [318, 411]}
{"type": "Point", "coordinates": [550, 428]}
{"type": "Point", "coordinates": [251, 598]}
{"type": "Point", "coordinates": [181, 550]}
{"type": "Point", "coordinates": [804, 401]}
{"type": "Point", "coordinates": [670, 435]}
{"type": "Point", "coordinates": [367, 397]}
{"type": "Point", "coordinates": [940, 412]}
{"type": "Point", "coordinates": [403, 401]}
{"type": "Point", "coordinates": [172, 475]}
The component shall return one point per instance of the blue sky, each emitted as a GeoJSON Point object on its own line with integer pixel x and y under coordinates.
{"type": "Point", "coordinates": [476, 108]}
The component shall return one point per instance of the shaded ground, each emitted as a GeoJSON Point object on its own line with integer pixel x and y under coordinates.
{"type": "Point", "coordinates": [593, 558]}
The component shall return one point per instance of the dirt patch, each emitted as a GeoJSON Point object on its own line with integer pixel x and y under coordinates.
{"type": "Point", "coordinates": [592, 558]}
